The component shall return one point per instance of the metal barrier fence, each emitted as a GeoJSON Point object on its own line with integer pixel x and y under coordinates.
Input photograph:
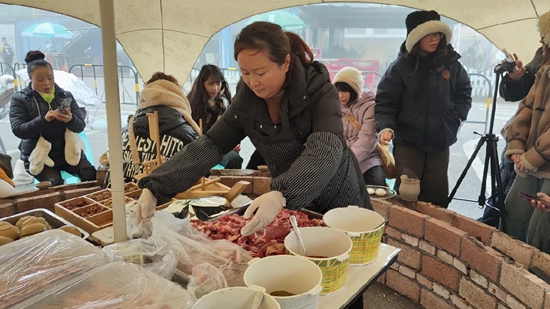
{"type": "Point", "coordinates": [95, 71]}
{"type": "Point", "coordinates": [474, 83]}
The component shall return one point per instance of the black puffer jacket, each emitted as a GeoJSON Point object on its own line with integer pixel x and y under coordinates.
{"type": "Point", "coordinates": [306, 152]}
{"type": "Point", "coordinates": [174, 131]}
{"type": "Point", "coordinates": [27, 117]}
{"type": "Point", "coordinates": [424, 110]}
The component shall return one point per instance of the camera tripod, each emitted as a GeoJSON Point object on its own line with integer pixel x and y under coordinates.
{"type": "Point", "coordinates": [491, 161]}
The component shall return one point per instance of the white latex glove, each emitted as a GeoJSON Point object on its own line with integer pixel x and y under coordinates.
{"type": "Point", "coordinates": [146, 205]}
{"type": "Point", "coordinates": [268, 206]}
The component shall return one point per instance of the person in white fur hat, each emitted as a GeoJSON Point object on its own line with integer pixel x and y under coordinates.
{"type": "Point", "coordinates": [47, 119]}
{"type": "Point", "coordinates": [358, 121]}
{"type": "Point", "coordinates": [421, 102]}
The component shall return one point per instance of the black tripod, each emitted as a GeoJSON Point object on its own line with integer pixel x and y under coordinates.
{"type": "Point", "coordinates": [491, 158]}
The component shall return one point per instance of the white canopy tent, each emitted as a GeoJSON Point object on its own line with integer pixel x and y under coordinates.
{"type": "Point", "coordinates": [169, 35]}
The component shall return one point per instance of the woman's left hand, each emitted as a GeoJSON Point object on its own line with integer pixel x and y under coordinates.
{"type": "Point", "coordinates": [64, 117]}
{"type": "Point", "coordinates": [237, 148]}
{"type": "Point", "coordinates": [542, 202]}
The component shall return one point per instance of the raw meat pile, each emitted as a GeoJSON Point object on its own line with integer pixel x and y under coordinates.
{"type": "Point", "coordinates": [266, 242]}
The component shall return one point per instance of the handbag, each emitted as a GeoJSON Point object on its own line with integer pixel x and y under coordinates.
{"type": "Point", "coordinates": [388, 162]}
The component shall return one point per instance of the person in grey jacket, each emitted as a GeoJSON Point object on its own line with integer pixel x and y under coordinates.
{"type": "Point", "coordinates": [421, 102]}
{"type": "Point", "coordinates": [358, 122]}
{"type": "Point", "coordinates": [287, 106]}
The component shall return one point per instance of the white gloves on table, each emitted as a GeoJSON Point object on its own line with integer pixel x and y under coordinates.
{"type": "Point", "coordinates": [146, 205]}
{"type": "Point", "coordinates": [268, 206]}
{"type": "Point", "coordinates": [72, 147]}
{"type": "Point", "coordinates": [39, 156]}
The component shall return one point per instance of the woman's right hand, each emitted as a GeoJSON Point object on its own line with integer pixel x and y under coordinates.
{"type": "Point", "coordinates": [386, 137]}
{"type": "Point", "coordinates": [50, 115]}
{"type": "Point", "coordinates": [517, 74]}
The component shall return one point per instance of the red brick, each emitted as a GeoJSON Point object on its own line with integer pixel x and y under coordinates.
{"type": "Point", "coordinates": [445, 257]}
{"type": "Point", "coordinates": [446, 275]}
{"type": "Point", "coordinates": [476, 296]}
{"type": "Point", "coordinates": [79, 192]}
{"type": "Point", "coordinates": [542, 261]}
{"type": "Point", "coordinates": [547, 301]}
{"type": "Point", "coordinates": [426, 247]}
{"type": "Point", "coordinates": [390, 231]}
{"type": "Point", "coordinates": [424, 281]}
{"type": "Point", "coordinates": [403, 285]}
{"type": "Point", "coordinates": [407, 220]}
{"type": "Point", "coordinates": [261, 185]}
{"type": "Point", "coordinates": [382, 278]}
{"type": "Point", "coordinates": [460, 266]}
{"type": "Point", "coordinates": [407, 271]}
{"type": "Point", "coordinates": [430, 300]}
{"type": "Point", "coordinates": [497, 291]}
{"type": "Point", "coordinates": [382, 207]}
{"type": "Point", "coordinates": [525, 286]}
{"type": "Point", "coordinates": [43, 201]}
{"type": "Point", "coordinates": [459, 302]}
{"type": "Point", "coordinates": [435, 212]}
{"type": "Point", "coordinates": [479, 279]}
{"type": "Point", "coordinates": [408, 255]}
{"type": "Point", "coordinates": [477, 230]}
{"type": "Point", "coordinates": [513, 303]}
{"type": "Point", "coordinates": [6, 210]}
{"type": "Point", "coordinates": [441, 291]}
{"type": "Point", "coordinates": [230, 181]}
{"type": "Point", "coordinates": [502, 306]}
{"type": "Point", "coordinates": [443, 236]}
{"type": "Point", "coordinates": [483, 259]}
{"type": "Point", "coordinates": [517, 250]}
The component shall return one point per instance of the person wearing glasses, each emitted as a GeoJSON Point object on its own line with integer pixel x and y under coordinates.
{"type": "Point", "coordinates": [421, 102]}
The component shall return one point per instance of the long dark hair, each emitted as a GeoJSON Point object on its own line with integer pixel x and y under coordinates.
{"type": "Point", "coordinates": [199, 97]}
{"type": "Point", "coordinates": [268, 36]}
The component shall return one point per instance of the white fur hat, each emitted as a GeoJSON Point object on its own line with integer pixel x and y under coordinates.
{"type": "Point", "coordinates": [352, 77]}
{"type": "Point", "coordinates": [544, 27]}
{"type": "Point", "coordinates": [421, 23]}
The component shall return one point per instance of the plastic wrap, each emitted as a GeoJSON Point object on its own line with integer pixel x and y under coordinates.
{"type": "Point", "coordinates": [44, 261]}
{"type": "Point", "coordinates": [152, 254]}
{"type": "Point", "coordinates": [208, 264]}
{"type": "Point", "coordinates": [118, 285]}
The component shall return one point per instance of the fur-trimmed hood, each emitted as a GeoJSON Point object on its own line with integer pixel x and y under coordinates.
{"type": "Point", "coordinates": [544, 27]}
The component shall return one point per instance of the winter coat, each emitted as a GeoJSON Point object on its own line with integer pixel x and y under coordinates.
{"type": "Point", "coordinates": [306, 152]}
{"type": "Point", "coordinates": [425, 110]}
{"type": "Point", "coordinates": [362, 142]}
{"type": "Point", "coordinates": [175, 131]}
{"type": "Point", "coordinates": [529, 134]}
{"type": "Point", "coordinates": [27, 117]}
{"type": "Point", "coordinates": [512, 90]}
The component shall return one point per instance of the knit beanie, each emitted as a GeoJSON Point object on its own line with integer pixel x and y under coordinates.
{"type": "Point", "coordinates": [352, 77]}
{"type": "Point", "coordinates": [421, 23]}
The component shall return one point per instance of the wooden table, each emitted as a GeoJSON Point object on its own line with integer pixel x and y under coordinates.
{"type": "Point", "coordinates": [360, 278]}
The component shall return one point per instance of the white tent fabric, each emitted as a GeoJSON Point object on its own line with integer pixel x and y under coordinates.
{"type": "Point", "coordinates": [169, 35]}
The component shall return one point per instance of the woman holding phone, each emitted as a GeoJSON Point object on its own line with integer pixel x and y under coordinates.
{"type": "Point", "coordinates": [47, 119]}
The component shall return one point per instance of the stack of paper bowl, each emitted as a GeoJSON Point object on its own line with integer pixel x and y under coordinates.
{"type": "Point", "coordinates": [329, 249]}
{"type": "Point", "coordinates": [294, 281]}
{"type": "Point", "coordinates": [363, 226]}
{"type": "Point", "coordinates": [236, 298]}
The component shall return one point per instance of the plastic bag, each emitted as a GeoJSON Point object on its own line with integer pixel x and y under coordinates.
{"type": "Point", "coordinates": [152, 254]}
{"type": "Point", "coordinates": [118, 285]}
{"type": "Point", "coordinates": [202, 260]}
{"type": "Point", "coordinates": [44, 261]}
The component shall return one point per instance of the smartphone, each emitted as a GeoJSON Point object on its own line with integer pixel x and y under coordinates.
{"type": "Point", "coordinates": [509, 57]}
{"type": "Point", "coordinates": [64, 104]}
{"type": "Point", "coordinates": [530, 198]}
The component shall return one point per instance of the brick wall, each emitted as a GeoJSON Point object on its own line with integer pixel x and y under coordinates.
{"type": "Point", "coordinates": [451, 261]}
{"type": "Point", "coordinates": [44, 198]}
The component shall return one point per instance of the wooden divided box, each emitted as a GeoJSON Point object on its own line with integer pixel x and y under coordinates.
{"type": "Point", "coordinates": [93, 212]}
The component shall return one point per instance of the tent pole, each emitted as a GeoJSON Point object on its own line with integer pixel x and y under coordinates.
{"type": "Point", "coordinates": [112, 106]}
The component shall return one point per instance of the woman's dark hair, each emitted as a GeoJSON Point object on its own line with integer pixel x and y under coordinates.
{"type": "Point", "coordinates": [437, 56]}
{"type": "Point", "coordinates": [198, 96]}
{"type": "Point", "coordinates": [344, 87]}
{"type": "Point", "coordinates": [160, 75]}
{"type": "Point", "coordinates": [270, 37]}
{"type": "Point", "coordinates": [35, 60]}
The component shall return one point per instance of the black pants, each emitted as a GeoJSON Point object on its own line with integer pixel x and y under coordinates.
{"type": "Point", "coordinates": [255, 160]}
{"type": "Point", "coordinates": [375, 176]}
{"type": "Point", "coordinates": [83, 170]}
{"type": "Point", "coordinates": [430, 167]}
{"type": "Point", "coordinates": [232, 160]}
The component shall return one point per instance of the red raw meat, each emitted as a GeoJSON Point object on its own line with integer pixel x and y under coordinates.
{"type": "Point", "coordinates": [266, 242]}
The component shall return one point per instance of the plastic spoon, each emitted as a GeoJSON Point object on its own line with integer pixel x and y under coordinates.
{"type": "Point", "coordinates": [258, 297]}
{"type": "Point", "coordinates": [294, 224]}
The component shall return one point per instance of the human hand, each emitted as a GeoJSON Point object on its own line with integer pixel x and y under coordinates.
{"type": "Point", "coordinates": [268, 206]}
{"type": "Point", "coordinates": [237, 148]}
{"type": "Point", "coordinates": [50, 115]}
{"type": "Point", "coordinates": [146, 205]}
{"type": "Point", "coordinates": [543, 203]}
{"type": "Point", "coordinates": [517, 74]}
{"type": "Point", "coordinates": [386, 137]}
{"type": "Point", "coordinates": [63, 117]}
